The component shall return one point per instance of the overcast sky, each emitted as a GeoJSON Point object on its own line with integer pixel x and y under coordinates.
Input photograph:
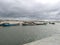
{"type": "Point", "coordinates": [30, 8]}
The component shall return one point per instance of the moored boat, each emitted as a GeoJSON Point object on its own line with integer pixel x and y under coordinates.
{"type": "Point", "coordinates": [40, 23]}
{"type": "Point", "coordinates": [51, 23]}
{"type": "Point", "coordinates": [28, 24]}
{"type": "Point", "coordinates": [8, 24]}
{"type": "Point", "coordinates": [0, 24]}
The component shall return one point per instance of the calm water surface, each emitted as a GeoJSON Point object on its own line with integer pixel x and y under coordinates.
{"type": "Point", "coordinates": [18, 35]}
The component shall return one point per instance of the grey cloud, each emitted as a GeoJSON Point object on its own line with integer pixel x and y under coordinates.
{"type": "Point", "coordinates": [28, 8]}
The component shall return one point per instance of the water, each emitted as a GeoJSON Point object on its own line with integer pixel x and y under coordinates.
{"type": "Point", "coordinates": [18, 35]}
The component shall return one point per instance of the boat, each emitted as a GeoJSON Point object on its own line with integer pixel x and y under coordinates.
{"type": "Point", "coordinates": [0, 24]}
{"type": "Point", "coordinates": [28, 24]}
{"type": "Point", "coordinates": [8, 24]}
{"type": "Point", "coordinates": [40, 23]}
{"type": "Point", "coordinates": [51, 23]}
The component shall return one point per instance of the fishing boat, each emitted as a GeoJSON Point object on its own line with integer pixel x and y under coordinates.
{"type": "Point", "coordinates": [40, 23]}
{"type": "Point", "coordinates": [0, 24]}
{"type": "Point", "coordinates": [51, 23]}
{"type": "Point", "coordinates": [28, 24]}
{"type": "Point", "coordinates": [8, 24]}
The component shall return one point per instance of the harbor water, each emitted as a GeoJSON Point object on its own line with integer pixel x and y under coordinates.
{"type": "Point", "coordinates": [19, 35]}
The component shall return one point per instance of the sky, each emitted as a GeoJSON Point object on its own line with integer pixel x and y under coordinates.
{"type": "Point", "coordinates": [37, 9]}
